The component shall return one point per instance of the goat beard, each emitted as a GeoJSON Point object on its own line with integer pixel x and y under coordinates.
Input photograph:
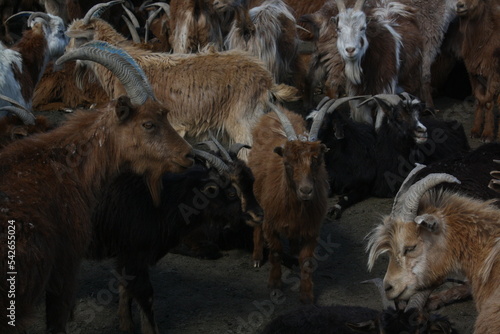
{"type": "Point", "coordinates": [155, 187]}
{"type": "Point", "coordinates": [353, 71]}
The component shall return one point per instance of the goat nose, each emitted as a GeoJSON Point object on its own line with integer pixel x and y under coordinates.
{"type": "Point", "coordinates": [350, 50]}
{"type": "Point", "coordinates": [387, 287]}
{"type": "Point", "coordinates": [306, 190]}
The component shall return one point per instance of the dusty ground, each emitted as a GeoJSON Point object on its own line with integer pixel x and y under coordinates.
{"type": "Point", "coordinates": [229, 296]}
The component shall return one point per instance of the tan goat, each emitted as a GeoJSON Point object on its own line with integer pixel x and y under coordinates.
{"type": "Point", "coordinates": [431, 234]}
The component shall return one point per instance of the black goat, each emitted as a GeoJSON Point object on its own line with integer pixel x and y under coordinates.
{"type": "Point", "coordinates": [129, 227]}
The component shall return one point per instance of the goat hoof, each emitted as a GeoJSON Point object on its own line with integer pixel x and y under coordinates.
{"type": "Point", "coordinates": [257, 263]}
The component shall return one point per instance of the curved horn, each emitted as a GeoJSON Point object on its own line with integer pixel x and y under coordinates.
{"type": "Point", "coordinates": [216, 162]}
{"type": "Point", "coordinates": [131, 16]}
{"type": "Point", "coordinates": [97, 10]}
{"type": "Point", "coordinates": [359, 5]}
{"type": "Point", "coordinates": [132, 29]}
{"type": "Point", "coordinates": [328, 106]}
{"type": "Point", "coordinates": [418, 300]}
{"type": "Point", "coordinates": [222, 149]}
{"type": "Point", "coordinates": [149, 21]}
{"type": "Point", "coordinates": [340, 5]}
{"type": "Point", "coordinates": [20, 14]}
{"type": "Point", "coordinates": [34, 16]}
{"type": "Point", "coordinates": [412, 198]}
{"type": "Point", "coordinates": [379, 283]}
{"type": "Point", "coordinates": [120, 63]}
{"type": "Point", "coordinates": [285, 122]}
{"type": "Point", "coordinates": [405, 186]}
{"type": "Point", "coordinates": [391, 99]}
{"type": "Point", "coordinates": [165, 6]}
{"type": "Point", "coordinates": [235, 148]}
{"type": "Point", "coordinates": [24, 115]}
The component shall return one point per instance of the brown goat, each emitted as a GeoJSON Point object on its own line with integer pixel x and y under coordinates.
{"type": "Point", "coordinates": [479, 24]}
{"type": "Point", "coordinates": [291, 186]}
{"type": "Point", "coordinates": [194, 24]}
{"type": "Point", "coordinates": [431, 234]}
{"type": "Point", "coordinates": [13, 128]}
{"type": "Point", "coordinates": [51, 182]}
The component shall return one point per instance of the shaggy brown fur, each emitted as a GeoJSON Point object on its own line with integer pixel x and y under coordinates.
{"type": "Point", "coordinates": [465, 238]}
{"type": "Point", "coordinates": [225, 92]}
{"type": "Point", "coordinates": [12, 128]}
{"type": "Point", "coordinates": [49, 184]}
{"type": "Point", "coordinates": [194, 24]}
{"type": "Point", "coordinates": [284, 172]}
{"type": "Point", "coordinates": [481, 53]}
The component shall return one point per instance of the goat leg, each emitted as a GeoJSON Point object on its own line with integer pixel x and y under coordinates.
{"type": "Point", "coordinates": [258, 246]}
{"type": "Point", "coordinates": [275, 252]}
{"type": "Point", "coordinates": [125, 310]}
{"type": "Point", "coordinates": [306, 261]}
{"type": "Point", "coordinates": [449, 296]}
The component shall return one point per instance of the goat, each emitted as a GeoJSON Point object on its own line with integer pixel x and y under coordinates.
{"type": "Point", "coordinates": [194, 24]}
{"type": "Point", "coordinates": [269, 33]}
{"type": "Point", "coordinates": [291, 186]}
{"type": "Point", "coordinates": [128, 226]}
{"type": "Point", "coordinates": [51, 182]}
{"type": "Point", "coordinates": [223, 92]}
{"type": "Point", "coordinates": [22, 65]}
{"type": "Point", "coordinates": [479, 23]}
{"type": "Point", "coordinates": [432, 233]}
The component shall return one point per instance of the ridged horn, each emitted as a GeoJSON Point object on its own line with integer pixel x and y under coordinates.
{"type": "Point", "coordinates": [132, 29]}
{"type": "Point", "coordinates": [412, 197]}
{"type": "Point", "coordinates": [397, 204]}
{"type": "Point", "coordinates": [418, 300]}
{"type": "Point", "coordinates": [97, 10]}
{"type": "Point", "coordinates": [340, 6]}
{"type": "Point", "coordinates": [131, 16]}
{"type": "Point", "coordinates": [24, 115]}
{"type": "Point", "coordinates": [120, 63]}
{"type": "Point", "coordinates": [285, 122]}
{"type": "Point", "coordinates": [222, 149]}
{"type": "Point", "coordinates": [327, 106]}
{"type": "Point", "coordinates": [216, 162]}
{"type": "Point", "coordinates": [235, 148]}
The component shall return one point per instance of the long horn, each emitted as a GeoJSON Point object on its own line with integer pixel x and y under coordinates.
{"type": "Point", "coordinates": [97, 10]}
{"type": "Point", "coordinates": [42, 15]}
{"type": "Point", "coordinates": [340, 5]}
{"type": "Point", "coordinates": [418, 300]}
{"type": "Point", "coordinates": [216, 162]}
{"type": "Point", "coordinates": [359, 5]}
{"type": "Point", "coordinates": [235, 148]}
{"type": "Point", "coordinates": [398, 200]}
{"type": "Point", "coordinates": [285, 122]}
{"type": "Point", "coordinates": [24, 115]}
{"type": "Point", "coordinates": [328, 106]}
{"type": "Point", "coordinates": [132, 29]}
{"type": "Point", "coordinates": [131, 16]}
{"type": "Point", "coordinates": [414, 194]}
{"type": "Point", "coordinates": [120, 63]}
{"type": "Point", "coordinates": [222, 149]}
{"type": "Point", "coordinates": [19, 14]}
{"type": "Point", "coordinates": [164, 5]}
{"type": "Point", "coordinates": [149, 21]}
{"type": "Point", "coordinates": [391, 99]}
{"type": "Point", "coordinates": [379, 283]}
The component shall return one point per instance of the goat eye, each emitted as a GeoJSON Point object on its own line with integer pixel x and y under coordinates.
{"type": "Point", "coordinates": [148, 125]}
{"type": "Point", "coordinates": [409, 249]}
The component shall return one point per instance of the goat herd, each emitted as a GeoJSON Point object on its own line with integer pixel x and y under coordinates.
{"type": "Point", "coordinates": [197, 129]}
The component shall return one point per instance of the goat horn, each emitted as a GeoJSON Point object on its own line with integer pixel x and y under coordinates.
{"type": "Point", "coordinates": [235, 148]}
{"type": "Point", "coordinates": [97, 10]}
{"type": "Point", "coordinates": [302, 28]}
{"type": "Point", "coordinates": [418, 300]}
{"type": "Point", "coordinates": [165, 6]}
{"type": "Point", "coordinates": [416, 191]}
{"type": "Point", "coordinates": [42, 15]}
{"type": "Point", "coordinates": [359, 5]}
{"type": "Point", "coordinates": [20, 14]}
{"type": "Point", "coordinates": [405, 186]}
{"type": "Point", "coordinates": [222, 149]}
{"type": "Point", "coordinates": [120, 63]}
{"type": "Point", "coordinates": [340, 5]}
{"type": "Point", "coordinates": [132, 29]}
{"type": "Point", "coordinates": [131, 16]}
{"type": "Point", "coordinates": [379, 283]}
{"type": "Point", "coordinates": [216, 162]}
{"type": "Point", "coordinates": [149, 21]}
{"type": "Point", "coordinates": [391, 99]}
{"type": "Point", "coordinates": [285, 122]}
{"type": "Point", "coordinates": [327, 106]}
{"type": "Point", "coordinates": [27, 117]}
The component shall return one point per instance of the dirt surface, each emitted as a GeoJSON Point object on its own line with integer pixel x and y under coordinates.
{"type": "Point", "coordinates": [229, 296]}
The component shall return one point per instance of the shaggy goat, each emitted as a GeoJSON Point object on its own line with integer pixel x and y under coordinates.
{"type": "Point", "coordinates": [432, 233]}
{"type": "Point", "coordinates": [223, 92]}
{"type": "Point", "coordinates": [22, 65]}
{"type": "Point", "coordinates": [479, 24]}
{"type": "Point", "coordinates": [128, 226]}
{"type": "Point", "coordinates": [194, 24]}
{"type": "Point", "coordinates": [51, 182]}
{"type": "Point", "coordinates": [291, 186]}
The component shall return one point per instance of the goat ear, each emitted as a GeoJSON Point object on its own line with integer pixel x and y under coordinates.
{"type": "Point", "coordinates": [124, 109]}
{"type": "Point", "coordinates": [366, 326]}
{"type": "Point", "coordinates": [430, 222]}
{"type": "Point", "coordinates": [279, 150]}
